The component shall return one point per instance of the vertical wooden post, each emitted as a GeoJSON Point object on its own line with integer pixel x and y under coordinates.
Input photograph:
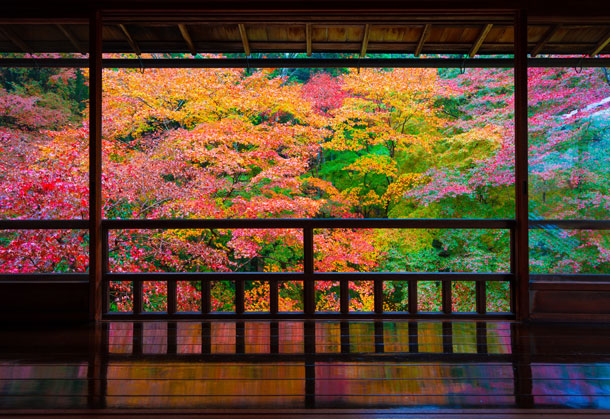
{"type": "Point", "coordinates": [521, 171]}
{"type": "Point", "coordinates": [95, 166]}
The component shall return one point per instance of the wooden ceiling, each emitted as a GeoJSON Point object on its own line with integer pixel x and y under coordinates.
{"type": "Point", "coordinates": [468, 38]}
{"type": "Point", "coordinates": [469, 27]}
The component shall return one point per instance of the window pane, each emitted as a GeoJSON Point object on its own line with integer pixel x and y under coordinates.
{"type": "Point", "coordinates": [44, 142]}
{"type": "Point", "coordinates": [553, 250]}
{"type": "Point", "coordinates": [569, 140]}
{"type": "Point", "coordinates": [41, 251]}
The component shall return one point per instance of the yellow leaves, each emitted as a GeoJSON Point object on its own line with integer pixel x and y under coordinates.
{"type": "Point", "coordinates": [376, 164]}
{"type": "Point", "coordinates": [478, 143]}
{"type": "Point", "coordinates": [402, 184]}
{"type": "Point", "coordinates": [359, 196]}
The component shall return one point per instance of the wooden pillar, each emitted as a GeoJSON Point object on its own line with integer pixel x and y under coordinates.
{"type": "Point", "coordinates": [521, 171]}
{"type": "Point", "coordinates": [95, 166]}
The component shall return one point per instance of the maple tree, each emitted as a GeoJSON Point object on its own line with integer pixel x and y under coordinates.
{"type": "Point", "coordinates": [229, 143]}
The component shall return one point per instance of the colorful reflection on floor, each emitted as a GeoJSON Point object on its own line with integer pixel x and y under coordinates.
{"type": "Point", "coordinates": [297, 364]}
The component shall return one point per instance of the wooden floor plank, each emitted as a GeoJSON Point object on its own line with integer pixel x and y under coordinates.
{"type": "Point", "coordinates": [290, 369]}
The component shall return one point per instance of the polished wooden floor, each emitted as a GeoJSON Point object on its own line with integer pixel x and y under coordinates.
{"type": "Point", "coordinates": [305, 368]}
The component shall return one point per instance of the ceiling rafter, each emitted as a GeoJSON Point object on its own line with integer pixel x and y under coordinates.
{"type": "Point", "coordinates": [11, 36]}
{"type": "Point", "coordinates": [603, 43]}
{"type": "Point", "coordinates": [134, 46]}
{"type": "Point", "coordinates": [545, 39]}
{"type": "Point", "coordinates": [365, 40]}
{"type": "Point", "coordinates": [244, 39]}
{"type": "Point", "coordinates": [308, 38]}
{"type": "Point", "coordinates": [422, 39]}
{"type": "Point", "coordinates": [480, 39]}
{"type": "Point", "coordinates": [70, 36]}
{"type": "Point", "coordinates": [187, 38]}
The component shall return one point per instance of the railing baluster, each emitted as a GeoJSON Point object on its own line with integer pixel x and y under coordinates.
{"type": "Point", "coordinates": [105, 269]}
{"type": "Point", "coordinates": [206, 297]}
{"type": "Point", "coordinates": [137, 297]}
{"type": "Point", "coordinates": [481, 297]}
{"type": "Point", "coordinates": [446, 297]}
{"type": "Point", "coordinates": [344, 297]}
{"type": "Point", "coordinates": [273, 296]}
{"type": "Point", "coordinates": [172, 296]}
{"type": "Point", "coordinates": [239, 296]}
{"type": "Point", "coordinates": [513, 270]}
{"type": "Point", "coordinates": [412, 292]}
{"type": "Point", "coordinates": [308, 269]}
{"type": "Point", "coordinates": [378, 296]}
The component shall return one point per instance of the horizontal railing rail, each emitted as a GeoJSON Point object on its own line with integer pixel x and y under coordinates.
{"type": "Point", "coordinates": [571, 224]}
{"type": "Point", "coordinates": [301, 223]}
{"type": "Point", "coordinates": [300, 276]}
{"type": "Point", "coordinates": [44, 224]}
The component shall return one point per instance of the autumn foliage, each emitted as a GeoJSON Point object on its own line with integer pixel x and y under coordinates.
{"type": "Point", "coordinates": [375, 143]}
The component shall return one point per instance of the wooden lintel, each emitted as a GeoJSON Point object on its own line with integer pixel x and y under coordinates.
{"type": "Point", "coordinates": [422, 39]}
{"type": "Point", "coordinates": [545, 39]}
{"type": "Point", "coordinates": [187, 38]}
{"type": "Point", "coordinates": [603, 43]}
{"type": "Point", "coordinates": [244, 38]}
{"type": "Point", "coordinates": [18, 42]}
{"type": "Point", "coordinates": [308, 38]}
{"type": "Point", "coordinates": [70, 36]}
{"type": "Point", "coordinates": [134, 46]}
{"type": "Point", "coordinates": [365, 40]}
{"type": "Point", "coordinates": [477, 45]}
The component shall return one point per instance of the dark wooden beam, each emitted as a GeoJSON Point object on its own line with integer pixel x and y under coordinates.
{"type": "Point", "coordinates": [95, 168]}
{"type": "Point", "coordinates": [422, 39]}
{"type": "Point", "coordinates": [187, 38]}
{"type": "Point", "coordinates": [546, 38]}
{"type": "Point", "coordinates": [477, 44]}
{"type": "Point", "coordinates": [68, 34]}
{"type": "Point", "coordinates": [308, 38]}
{"type": "Point", "coordinates": [134, 46]}
{"type": "Point", "coordinates": [365, 40]}
{"type": "Point", "coordinates": [244, 39]}
{"type": "Point", "coordinates": [603, 43]}
{"type": "Point", "coordinates": [521, 168]}
{"type": "Point", "coordinates": [304, 63]}
{"type": "Point", "coordinates": [18, 42]}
